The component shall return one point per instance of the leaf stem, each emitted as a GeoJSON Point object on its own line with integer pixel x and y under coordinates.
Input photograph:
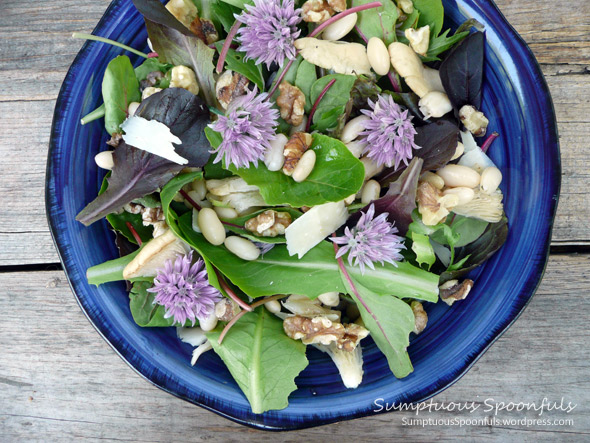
{"type": "Point", "coordinates": [231, 293]}
{"type": "Point", "coordinates": [254, 305]}
{"type": "Point", "coordinates": [488, 141]}
{"type": "Point", "coordinates": [134, 233]}
{"type": "Point", "coordinates": [94, 115]}
{"type": "Point", "coordinates": [317, 102]}
{"type": "Point", "coordinates": [226, 45]}
{"type": "Point", "coordinates": [96, 38]}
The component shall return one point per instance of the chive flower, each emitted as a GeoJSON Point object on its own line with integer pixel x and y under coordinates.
{"type": "Point", "coordinates": [184, 290]}
{"type": "Point", "coordinates": [372, 240]}
{"type": "Point", "coordinates": [389, 133]}
{"type": "Point", "coordinates": [270, 31]}
{"type": "Point", "coordinates": [247, 128]}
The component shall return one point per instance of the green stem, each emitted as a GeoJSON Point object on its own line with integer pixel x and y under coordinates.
{"type": "Point", "coordinates": [94, 115]}
{"type": "Point", "coordinates": [110, 42]}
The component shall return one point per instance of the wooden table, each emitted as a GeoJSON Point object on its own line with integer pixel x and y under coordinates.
{"type": "Point", "coordinates": [60, 381]}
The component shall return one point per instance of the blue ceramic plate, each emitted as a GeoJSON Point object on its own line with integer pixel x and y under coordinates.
{"type": "Point", "coordinates": [516, 100]}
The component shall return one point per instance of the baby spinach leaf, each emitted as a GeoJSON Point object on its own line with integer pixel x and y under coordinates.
{"type": "Point", "coordinates": [235, 62]}
{"type": "Point", "coordinates": [261, 358]}
{"type": "Point", "coordinates": [316, 273]}
{"type": "Point", "coordinates": [304, 79]}
{"type": "Point", "coordinates": [468, 229]}
{"type": "Point", "coordinates": [333, 103]}
{"type": "Point", "coordinates": [168, 193]}
{"type": "Point", "coordinates": [423, 249]}
{"type": "Point", "coordinates": [223, 13]}
{"type": "Point", "coordinates": [377, 22]}
{"type": "Point", "coordinates": [119, 222]}
{"type": "Point", "coordinates": [336, 175]}
{"type": "Point", "coordinates": [461, 72]}
{"type": "Point", "coordinates": [119, 88]}
{"type": "Point", "coordinates": [238, 3]}
{"type": "Point", "coordinates": [289, 76]}
{"type": "Point", "coordinates": [477, 252]}
{"type": "Point", "coordinates": [177, 45]}
{"type": "Point", "coordinates": [144, 311]}
{"type": "Point", "coordinates": [150, 65]}
{"type": "Point", "coordinates": [432, 14]}
{"type": "Point", "coordinates": [390, 321]}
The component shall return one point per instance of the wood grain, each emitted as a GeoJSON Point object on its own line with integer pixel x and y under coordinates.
{"type": "Point", "coordinates": [60, 380]}
{"type": "Point", "coordinates": [36, 53]}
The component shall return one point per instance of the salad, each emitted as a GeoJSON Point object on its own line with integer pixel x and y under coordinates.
{"type": "Point", "coordinates": [284, 174]}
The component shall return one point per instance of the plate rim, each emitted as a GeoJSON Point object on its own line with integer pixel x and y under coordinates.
{"type": "Point", "coordinates": [553, 141]}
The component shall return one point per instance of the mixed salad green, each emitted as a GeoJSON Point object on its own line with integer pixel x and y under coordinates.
{"type": "Point", "coordinates": [287, 173]}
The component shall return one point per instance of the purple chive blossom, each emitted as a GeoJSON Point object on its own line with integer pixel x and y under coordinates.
{"type": "Point", "coordinates": [264, 247]}
{"type": "Point", "coordinates": [184, 290]}
{"type": "Point", "coordinates": [247, 128]}
{"type": "Point", "coordinates": [371, 240]}
{"type": "Point", "coordinates": [271, 29]}
{"type": "Point", "coordinates": [389, 133]}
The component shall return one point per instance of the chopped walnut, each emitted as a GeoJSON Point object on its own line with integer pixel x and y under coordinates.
{"type": "Point", "coordinates": [452, 291]}
{"type": "Point", "coordinates": [294, 149]}
{"type": "Point", "coordinates": [433, 205]}
{"type": "Point", "coordinates": [317, 11]}
{"type": "Point", "coordinates": [324, 331]}
{"type": "Point", "coordinates": [115, 140]}
{"type": "Point", "coordinates": [226, 309]}
{"type": "Point", "coordinates": [337, 5]}
{"type": "Point", "coordinates": [230, 85]}
{"type": "Point", "coordinates": [420, 316]}
{"type": "Point", "coordinates": [269, 224]}
{"type": "Point", "coordinates": [474, 121]}
{"type": "Point", "coordinates": [291, 103]}
{"type": "Point", "coordinates": [204, 29]}
{"type": "Point", "coordinates": [151, 215]}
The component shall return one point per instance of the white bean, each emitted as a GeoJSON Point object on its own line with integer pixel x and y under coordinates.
{"type": "Point", "coordinates": [356, 147]}
{"type": "Point", "coordinates": [104, 160]}
{"type": "Point", "coordinates": [242, 247]}
{"type": "Point", "coordinates": [433, 179]}
{"type": "Point", "coordinates": [371, 168]}
{"type": "Point", "coordinates": [273, 306]}
{"type": "Point", "coordinates": [490, 179]}
{"type": "Point", "coordinates": [371, 191]}
{"type": "Point", "coordinates": [209, 323]}
{"type": "Point", "coordinates": [459, 150]}
{"type": "Point", "coordinates": [457, 175]}
{"type": "Point", "coordinates": [211, 227]}
{"type": "Point", "coordinates": [378, 56]}
{"type": "Point", "coordinates": [132, 108]}
{"type": "Point", "coordinates": [149, 91]}
{"type": "Point", "coordinates": [274, 157]}
{"type": "Point", "coordinates": [200, 187]}
{"type": "Point", "coordinates": [340, 28]}
{"type": "Point", "coordinates": [465, 195]}
{"type": "Point", "coordinates": [353, 128]}
{"type": "Point", "coordinates": [330, 298]}
{"type": "Point", "coordinates": [304, 166]}
{"type": "Point", "coordinates": [225, 212]}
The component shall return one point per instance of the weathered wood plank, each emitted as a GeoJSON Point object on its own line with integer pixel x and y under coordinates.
{"type": "Point", "coordinates": [60, 381]}
{"type": "Point", "coordinates": [31, 75]}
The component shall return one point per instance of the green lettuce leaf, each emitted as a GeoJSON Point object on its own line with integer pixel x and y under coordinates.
{"type": "Point", "coordinates": [261, 358]}
{"type": "Point", "coordinates": [119, 88]}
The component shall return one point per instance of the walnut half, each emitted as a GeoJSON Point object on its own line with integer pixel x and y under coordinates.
{"type": "Point", "coordinates": [433, 205]}
{"type": "Point", "coordinates": [294, 149]}
{"type": "Point", "coordinates": [452, 291]}
{"type": "Point", "coordinates": [320, 330]}
{"type": "Point", "coordinates": [269, 224]}
{"type": "Point", "coordinates": [318, 11]}
{"type": "Point", "coordinates": [291, 103]}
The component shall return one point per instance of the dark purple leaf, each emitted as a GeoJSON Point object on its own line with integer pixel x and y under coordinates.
{"type": "Point", "coordinates": [462, 72]}
{"type": "Point", "coordinates": [437, 141]}
{"type": "Point", "coordinates": [187, 117]}
{"type": "Point", "coordinates": [136, 172]}
{"type": "Point", "coordinates": [400, 199]}
{"type": "Point", "coordinates": [156, 12]}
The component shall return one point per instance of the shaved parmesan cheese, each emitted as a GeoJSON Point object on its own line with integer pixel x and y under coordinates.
{"type": "Point", "coordinates": [313, 226]}
{"type": "Point", "coordinates": [153, 137]}
{"type": "Point", "coordinates": [473, 156]}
